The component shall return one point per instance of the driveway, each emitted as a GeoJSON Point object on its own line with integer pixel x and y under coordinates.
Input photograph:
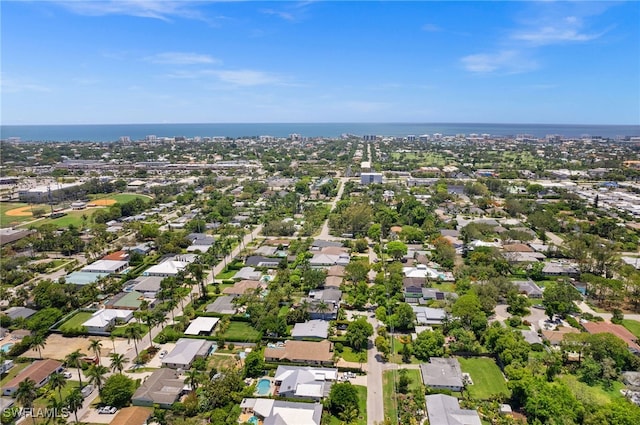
{"type": "Point", "coordinates": [375, 401]}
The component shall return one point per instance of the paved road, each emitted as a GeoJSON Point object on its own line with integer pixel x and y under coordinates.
{"type": "Point", "coordinates": [324, 233]}
{"type": "Point", "coordinates": [375, 401]}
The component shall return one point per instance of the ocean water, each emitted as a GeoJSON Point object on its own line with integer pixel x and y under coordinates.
{"type": "Point", "coordinates": [112, 132]}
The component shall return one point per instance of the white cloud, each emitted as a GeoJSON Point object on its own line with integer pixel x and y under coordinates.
{"type": "Point", "coordinates": [284, 15]}
{"type": "Point", "coordinates": [246, 77]}
{"type": "Point", "coordinates": [155, 9]}
{"type": "Point", "coordinates": [555, 34]}
{"type": "Point", "coordinates": [181, 58]}
{"type": "Point", "coordinates": [505, 61]}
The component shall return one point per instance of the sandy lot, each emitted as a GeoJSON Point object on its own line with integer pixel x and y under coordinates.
{"type": "Point", "coordinates": [103, 202]}
{"type": "Point", "coordinates": [58, 346]}
{"type": "Point", "coordinates": [20, 212]}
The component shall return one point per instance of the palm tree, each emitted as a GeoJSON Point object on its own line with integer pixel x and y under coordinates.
{"type": "Point", "coordinates": [113, 341]}
{"type": "Point", "coordinates": [75, 360]}
{"type": "Point", "coordinates": [38, 342]}
{"type": "Point", "coordinates": [57, 382]}
{"type": "Point", "coordinates": [117, 362]}
{"type": "Point", "coordinates": [96, 375]}
{"type": "Point", "coordinates": [26, 394]}
{"type": "Point", "coordinates": [193, 376]}
{"type": "Point", "coordinates": [74, 401]}
{"type": "Point", "coordinates": [95, 345]}
{"type": "Point", "coordinates": [322, 307]}
{"type": "Point", "coordinates": [133, 332]}
{"type": "Point", "coordinates": [56, 406]}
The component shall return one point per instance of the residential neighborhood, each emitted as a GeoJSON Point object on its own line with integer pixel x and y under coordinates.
{"type": "Point", "coordinates": [379, 280]}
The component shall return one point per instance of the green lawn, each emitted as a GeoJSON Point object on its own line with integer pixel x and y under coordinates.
{"type": "Point", "coordinates": [8, 221]}
{"type": "Point", "coordinates": [120, 197]}
{"type": "Point", "coordinates": [351, 356]}
{"type": "Point", "coordinates": [220, 361]}
{"type": "Point", "coordinates": [226, 275]}
{"type": "Point", "coordinates": [362, 407]}
{"type": "Point", "coordinates": [72, 217]}
{"type": "Point", "coordinates": [595, 395]}
{"type": "Point", "coordinates": [76, 320]}
{"type": "Point", "coordinates": [633, 326]}
{"type": "Point", "coordinates": [389, 390]}
{"type": "Point", "coordinates": [444, 286]}
{"type": "Point", "coordinates": [241, 331]}
{"type": "Point", "coordinates": [283, 311]}
{"type": "Point", "coordinates": [486, 376]}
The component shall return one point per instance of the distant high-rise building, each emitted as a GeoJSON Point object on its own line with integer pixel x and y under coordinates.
{"type": "Point", "coordinates": [370, 178]}
{"type": "Point", "coordinates": [125, 139]}
{"type": "Point", "coordinates": [151, 138]}
{"type": "Point", "coordinates": [411, 138]}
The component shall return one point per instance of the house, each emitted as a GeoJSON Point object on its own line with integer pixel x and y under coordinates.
{"type": "Point", "coordinates": [445, 410]}
{"type": "Point", "coordinates": [134, 415]}
{"type": "Point", "coordinates": [163, 387]}
{"type": "Point", "coordinates": [103, 320]}
{"type": "Point", "coordinates": [422, 271]}
{"type": "Point", "coordinates": [166, 268]}
{"type": "Point", "coordinates": [106, 267]}
{"type": "Point", "coordinates": [38, 371]}
{"type": "Point", "coordinates": [185, 352]}
{"type": "Point", "coordinates": [370, 178]}
{"type": "Point", "coordinates": [117, 256]}
{"type": "Point", "coordinates": [244, 287]}
{"type": "Point", "coordinates": [222, 305]}
{"type": "Point", "coordinates": [617, 330]}
{"type": "Point", "coordinates": [129, 301]}
{"type": "Point", "coordinates": [337, 271]}
{"type": "Point", "coordinates": [19, 312]}
{"type": "Point", "coordinates": [555, 337]}
{"type": "Point", "coordinates": [202, 326]}
{"type": "Point", "coordinates": [442, 374]}
{"type": "Point", "coordinates": [528, 288]}
{"type": "Point", "coordinates": [311, 329]}
{"type": "Point", "coordinates": [83, 278]}
{"type": "Point", "coordinates": [5, 366]}
{"type": "Point", "coordinates": [148, 285]}
{"type": "Point", "coordinates": [326, 260]}
{"type": "Point", "coordinates": [304, 382]}
{"type": "Point", "coordinates": [428, 316]}
{"type": "Point", "coordinates": [324, 303]}
{"type": "Point", "coordinates": [559, 269]}
{"type": "Point", "coordinates": [313, 353]}
{"type": "Point", "coordinates": [321, 243]}
{"type": "Point", "coordinates": [277, 412]}
{"type": "Point", "coordinates": [260, 261]}
{"type": "Point", "coordinates": [247, 273]}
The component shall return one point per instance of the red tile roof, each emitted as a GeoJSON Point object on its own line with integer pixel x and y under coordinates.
{"type": "Point", "coordinates": [617, 330]}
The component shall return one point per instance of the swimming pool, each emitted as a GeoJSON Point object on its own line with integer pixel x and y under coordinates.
{"type": "Point", "coordinates": [253, 420]}
{"type": "Point", "coordinates": [264, 386]}
{"type": "Point", "coordinates": [6, 347]}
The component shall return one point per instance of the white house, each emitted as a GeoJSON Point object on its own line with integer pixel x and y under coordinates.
{"type": "Point", "coordinates": [103, 320]}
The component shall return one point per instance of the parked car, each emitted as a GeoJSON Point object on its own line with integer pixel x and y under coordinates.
{"type": "Point", "coordinates": [67, 375]}
{"type": "Point", "coordinates": [163, 353]}
{"type": "Point", "coordinates": [87, 390]}
{"type": "Point", "coordinates": [107, 410]}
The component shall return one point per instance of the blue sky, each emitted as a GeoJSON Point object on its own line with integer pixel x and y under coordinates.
{"type": "Point", "coordinates": [160, 61]}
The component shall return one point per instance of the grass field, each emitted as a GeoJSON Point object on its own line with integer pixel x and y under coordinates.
{"type": "Point", "coordinates": [241, 331]}
{"type": "Point", "coordinates": [633, 326]}
{"type": "Point", "coordinates": [72, 217]}
{"type": "Point", "coordinates": [486, 376]}
{"type": "Point", "coordinates": [12, 220]}
{"type": "Point", "coordinates": [76, 320]}
{"type": "Point", "coordinates": [119, 197]}
{"type": "Point", "coordinates": [120, 331]}
{"type": "Point", "coordinates": [220, 361]}
{"type": "Point", "coordinates": [362, 407]}
{"type": "Point", "coordinates": [593, 395]}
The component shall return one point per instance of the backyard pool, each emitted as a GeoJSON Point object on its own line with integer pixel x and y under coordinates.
{"type": "Point", "coordinates": [264, 386]}
{"type": "Point", "coordinates": [253, 420]}
{"type": "Point", "coordinates": [6, 347]}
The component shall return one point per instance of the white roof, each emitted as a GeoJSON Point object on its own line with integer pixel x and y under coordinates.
{"type": "Point", "coordinates": [167, 267]}
{"type": "Point", "coordinates": [106, 265]}
{"type": "Point", "coordinates": [104, 317]}
{"type": "Point", "coordinates": [201, 324]}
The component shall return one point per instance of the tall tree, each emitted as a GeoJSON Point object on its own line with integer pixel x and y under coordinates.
{"type": "Point", "coordinates": [74, 359]}
{"type": "Point", "coordinates": [38, 342]}
{"type": "Point", "coordinates": [95, 345]}
{"type": "Point", "coordinates": [117, 362]}
{"type": "Point", "coordinates": [26, 394]}
{"type": "Point", "coordinates": [57, 382]}
{"type": "Point", "coordinates": [96, 374]}
{"type": "Point", "coordinates": [74, 402]}
{"type": "Point", "coordinates": [133, 332]}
